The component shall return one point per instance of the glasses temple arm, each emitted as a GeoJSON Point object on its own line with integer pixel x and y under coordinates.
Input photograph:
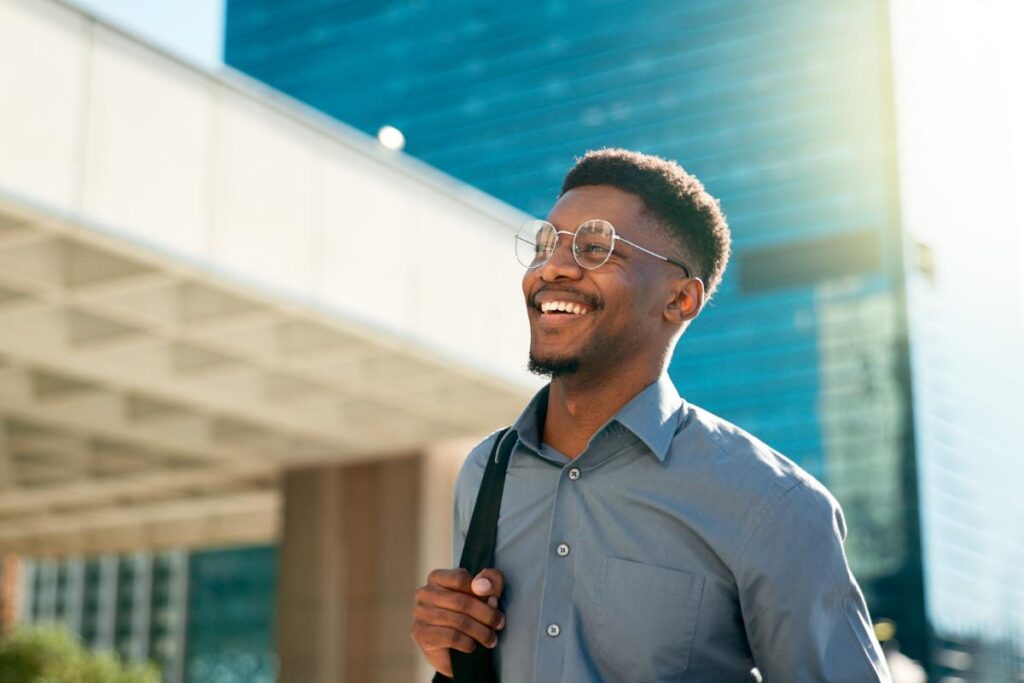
{"type": "Point", "coordinates": [648, 251]}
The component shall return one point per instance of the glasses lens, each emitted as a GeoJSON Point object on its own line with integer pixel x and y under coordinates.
{"type": "Point", "coordinates": [593, 243]}
{"type": "Point", "coordinates": [535, 242]}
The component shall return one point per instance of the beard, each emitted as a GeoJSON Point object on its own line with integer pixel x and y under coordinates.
{"type": "Point", "coordinates": [553, 367]}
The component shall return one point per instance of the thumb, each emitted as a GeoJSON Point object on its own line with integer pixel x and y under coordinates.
{"type": "Point", "coordinates": [481, 585]}
{"type": "Point", "coordinates": [488, 582]}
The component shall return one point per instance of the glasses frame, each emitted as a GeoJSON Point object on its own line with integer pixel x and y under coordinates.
{"type": "Point", "coordinates": [575, 251]}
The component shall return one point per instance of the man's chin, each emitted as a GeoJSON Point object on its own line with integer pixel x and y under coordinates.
{"type": "Point", "coordinates": [553, 367]}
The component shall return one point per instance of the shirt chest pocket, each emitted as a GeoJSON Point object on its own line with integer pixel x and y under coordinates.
{"type": "Point", "coordinates": [647, 618]}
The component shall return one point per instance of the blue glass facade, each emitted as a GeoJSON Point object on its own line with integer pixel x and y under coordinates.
{"type": "Point", "coordinates": [201, 617]}
{"type": "Point", "coordinates": [231, 608]}
{"type": "Point", "coordinates": [133, 605]}
{"type": "Point", "coordinates": [783, 109]}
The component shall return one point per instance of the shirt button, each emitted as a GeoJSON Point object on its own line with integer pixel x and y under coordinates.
{"type": "Point", "coordinates": [574, 473]}
{"type": "Point", "coordinates": [562, 549]}
{"type": "Point", "coordinates": [553, 630]}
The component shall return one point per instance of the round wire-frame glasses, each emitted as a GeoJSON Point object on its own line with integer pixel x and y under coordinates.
{"type": "Point", "coordinates": [592, 244]}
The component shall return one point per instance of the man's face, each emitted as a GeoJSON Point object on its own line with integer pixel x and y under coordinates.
{"type": "Point", "coordinates": [615, 311]}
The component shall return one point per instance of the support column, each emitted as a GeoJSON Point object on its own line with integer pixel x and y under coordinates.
{"type": "Point", "coordinates": [10, 582]}
{"type": "Point", "coordinates": [441, 462]}
{"type": "Point", "coordinates": [350, 560]}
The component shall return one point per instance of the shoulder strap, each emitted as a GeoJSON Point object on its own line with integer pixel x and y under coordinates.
{"type": "Point", "coordinates": [481, 537]}
{"type": "Point", "coordinates": [478, 552]}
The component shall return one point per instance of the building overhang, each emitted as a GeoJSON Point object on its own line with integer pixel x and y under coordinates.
{"type": "Point", "coordinates": [203, 283]}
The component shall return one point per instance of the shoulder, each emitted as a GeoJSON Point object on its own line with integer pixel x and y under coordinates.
{"type": "Point", "coordinates": [707, 440]}
{"type": "Point", "coordinates": [755, 482]}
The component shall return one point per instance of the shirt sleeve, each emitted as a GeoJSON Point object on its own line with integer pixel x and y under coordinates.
{"type": "Point", "coordinates": [804, 614]}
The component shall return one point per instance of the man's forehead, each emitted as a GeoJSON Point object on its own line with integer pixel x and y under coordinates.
{"type": "Point", "coordinates": [622, 209]}
{"type": "Point", "coordinates": [626, 211]}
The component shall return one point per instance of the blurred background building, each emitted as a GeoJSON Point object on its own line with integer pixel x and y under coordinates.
{"type": "Point", "coordinates": [869, 157]}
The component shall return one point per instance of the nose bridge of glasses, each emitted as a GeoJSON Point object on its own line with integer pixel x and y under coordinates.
{"type": "Point", "coordinates": [562, 241]}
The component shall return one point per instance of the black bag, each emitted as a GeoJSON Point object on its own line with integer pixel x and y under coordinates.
{"type": "Point", "coordinates": [478, 554]}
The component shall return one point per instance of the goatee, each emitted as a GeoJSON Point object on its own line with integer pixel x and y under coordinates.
{"type": "Point", "coordinates": [553, 367]}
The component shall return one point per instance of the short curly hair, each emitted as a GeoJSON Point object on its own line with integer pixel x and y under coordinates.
{"type": "Point", "coordinates": [676, 198]}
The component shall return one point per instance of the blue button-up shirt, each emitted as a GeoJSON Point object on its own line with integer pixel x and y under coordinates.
{"type": "Point", "coordinates": [675, 547]}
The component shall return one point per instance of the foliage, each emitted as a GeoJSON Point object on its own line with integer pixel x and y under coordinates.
{"type": "Point", "coordinates": [53, 655]}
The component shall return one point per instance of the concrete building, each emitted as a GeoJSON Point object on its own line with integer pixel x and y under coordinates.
{"type": "Point", "coordinates": [227, 319]}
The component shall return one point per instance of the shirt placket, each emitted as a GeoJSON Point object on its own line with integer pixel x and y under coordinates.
{"type": "Point", "coordinates": [556, 627]}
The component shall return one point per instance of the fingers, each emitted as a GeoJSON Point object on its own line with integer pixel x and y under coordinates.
{"type": "Point", "coordinates": [453, 579]}
{"type": "Point", "coordinates": [463, 603]}
{"type": "Point", "coordinates": [457, 611]}
{"type": "Point", "coordinates": [432, 639]}
{"type": "Point", "coordinates": [489, 582]}
{"type": "Point", "coordinates": [462, 624]}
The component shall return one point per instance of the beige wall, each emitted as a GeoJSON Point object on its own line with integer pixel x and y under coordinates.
{"type": "Point", "coordinates": [358, 541]}
{"type": "Point", "coordinates": [10, 583]}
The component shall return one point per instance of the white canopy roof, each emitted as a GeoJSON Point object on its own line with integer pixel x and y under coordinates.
{"type": "Point", "coordinates": [203, 282]}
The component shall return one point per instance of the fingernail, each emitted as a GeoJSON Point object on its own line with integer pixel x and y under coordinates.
{"type": "Point", "coordinates": [501, 624]}
{"type": "Point", "coordinates": [492, 601]}
{"type": "Point", "coordinates": [481, 586]}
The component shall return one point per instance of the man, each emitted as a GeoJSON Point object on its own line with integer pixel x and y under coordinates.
{"type": "Point", "coordinates": [642, 538]}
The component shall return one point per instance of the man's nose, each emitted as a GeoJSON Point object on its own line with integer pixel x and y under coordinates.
{"type": "Point", "coordinates": [561, 263]}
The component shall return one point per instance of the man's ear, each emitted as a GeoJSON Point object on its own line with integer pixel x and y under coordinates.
{"type": "Point", "coordinates": [687, 299]}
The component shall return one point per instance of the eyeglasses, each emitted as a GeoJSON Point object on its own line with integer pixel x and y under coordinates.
{"type": "Point", "coordinates": [592, 244]}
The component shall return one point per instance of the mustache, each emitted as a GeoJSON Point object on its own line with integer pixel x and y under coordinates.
{"type": "Point", "coordinates": [590, 300]}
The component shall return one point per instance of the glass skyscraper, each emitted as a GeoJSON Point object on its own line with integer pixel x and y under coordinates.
{"type": "Point", "coordinates": [203, 617]}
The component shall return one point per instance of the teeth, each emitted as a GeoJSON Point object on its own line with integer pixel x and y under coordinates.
{"type": "Point", "coordinates": [568, 307]}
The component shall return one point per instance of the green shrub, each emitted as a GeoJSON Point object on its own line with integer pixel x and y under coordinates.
{"type": "Point", "coordinates": [53, 655]}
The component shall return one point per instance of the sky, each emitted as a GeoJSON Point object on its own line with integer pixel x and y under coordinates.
{"type": "Point", "coordinates": [193, 29]}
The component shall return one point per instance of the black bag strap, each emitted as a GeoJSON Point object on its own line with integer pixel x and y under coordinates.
{"type": "Point", "coordinates": [478, 553]}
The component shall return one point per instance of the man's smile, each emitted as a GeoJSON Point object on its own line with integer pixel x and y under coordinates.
{"type": "Point", "coordinates": [562, 308]}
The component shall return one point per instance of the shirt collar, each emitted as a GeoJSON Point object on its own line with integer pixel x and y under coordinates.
{"type": "Point", "coordinates": [652, 415]}
{"type": "Point", "coordinates": [527, 425]}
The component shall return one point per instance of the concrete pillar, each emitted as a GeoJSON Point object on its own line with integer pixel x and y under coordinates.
{"type": "Point", "coordinates": [441, 462]}
{"type": "Point", "coordinates": [309, 636]}
{"type": "Point", "coordinates": [10, 582]}
{"type": "Point", "coordinates": [357, 541]}
{"type": "Point", "coordinates": [348, 557]}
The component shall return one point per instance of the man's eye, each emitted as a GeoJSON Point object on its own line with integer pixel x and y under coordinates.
{"type": "Point", "coordinates": [595, 249]}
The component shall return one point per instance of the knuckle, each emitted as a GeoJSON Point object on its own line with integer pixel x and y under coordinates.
{"type": "Point", "coordinates": [428, 595]}
{"type": "Point", "coordinates": [463, 623]}
{"type": "Point", "coordinates": [463, 643]}
{"type": "Point", "coordinates": [462, 602]}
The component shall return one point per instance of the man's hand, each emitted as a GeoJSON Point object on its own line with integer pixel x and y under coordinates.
{"type": "Point", "coordinates": [456, 610]}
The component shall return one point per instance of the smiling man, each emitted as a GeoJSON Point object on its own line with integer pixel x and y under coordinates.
{"type": "Point", "coordinates": [640, 537]}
